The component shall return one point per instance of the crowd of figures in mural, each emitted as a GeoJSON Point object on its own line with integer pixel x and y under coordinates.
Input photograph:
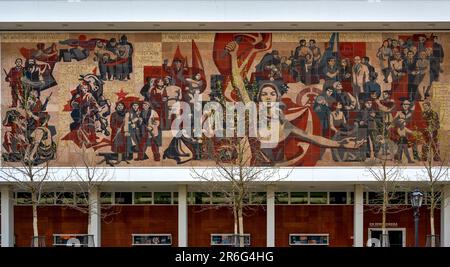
{"type": "Point", "coordinates": [332, 96]}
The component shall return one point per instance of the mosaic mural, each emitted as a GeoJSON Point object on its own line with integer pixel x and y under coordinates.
{"type": "Point", "coordinates": [344, 98]}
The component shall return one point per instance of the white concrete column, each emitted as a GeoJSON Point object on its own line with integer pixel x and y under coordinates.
{"type": "Point", "coordinates": [7, 216]}
{"type": "Point", "coordinates": [182, 216]}
{"type": "Point", "coordinates": [358, 217]}
{"type": "Point", "coordinates": [445, 217]}
{"type": "Point", "coordinates": [270, 216]}
{"type": "Point", "coordinates": [96, 217]}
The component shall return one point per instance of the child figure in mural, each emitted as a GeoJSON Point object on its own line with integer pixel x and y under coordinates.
{"type": "Point", "coordinates": [402, 142]}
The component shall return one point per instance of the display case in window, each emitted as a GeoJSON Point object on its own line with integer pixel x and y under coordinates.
{"type": "Point", "coordinates": [231, 240]}
{"type": "Point", "coordinates": [73, 240]}
{"type": "Point", "coordinates": [375, 198]}
{"type": "Point", "coordinates": [47, 198]}
{"type": "Point", "coordinates": [338, 198]}
{"type": "Point", "coordinates": [151, 240]}
{"type": "Point", "coordinates": [309, 239]}
{"type": "Point", "coordinates": [163, 198]}
{"type": "Point", "coordinates": [397, 198]}
{"type": "Point", "coordinates": [123, 198]}
{"type": "Point", "coordinates": [82, 198]}
{"type": "Point", "coordinates": [142, 198]}
{"type": "Point", "coordinates": [281, 198]}
{"type": "Point", "coordinates": [258, 197]}
{"type": "Point", "coordinates": [106, 198]}
{"type": "Point", "coordinates": [318, 198]}
{"type": "Point", "coordinates": [299, 197]}
{"type": "Point", "coordinates": [23, 198]}
{"type": "Point", "coordinates": [199, 198]}
{"type": "Point", "coordinates": [65, 198]}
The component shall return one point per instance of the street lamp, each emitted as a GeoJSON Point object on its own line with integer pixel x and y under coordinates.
{"type": "Point", "coordinates": [416, 203]}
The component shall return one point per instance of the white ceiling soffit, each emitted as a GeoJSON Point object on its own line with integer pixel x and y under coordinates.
{"type": "Point", "coordinates": [195, 15]}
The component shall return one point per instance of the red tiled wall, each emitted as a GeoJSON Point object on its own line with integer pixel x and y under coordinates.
{"type": "Point", "coordinates": [335, 220]}
{"type": "Point", "coordinates": [204, 220]}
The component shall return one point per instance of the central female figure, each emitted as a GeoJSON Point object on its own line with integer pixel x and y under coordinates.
{"type": "Point", "coordinates": [298, 143]}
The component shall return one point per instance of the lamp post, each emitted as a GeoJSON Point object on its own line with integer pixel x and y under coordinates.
{"type": "Point", "coordinates": [416, 203]}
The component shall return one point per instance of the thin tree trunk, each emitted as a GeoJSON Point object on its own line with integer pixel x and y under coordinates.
{"type": "Point", "coordinates": [432, 229]}
{"type": "Point", "coordinates": [241, 227]}
{"type": "Point", "coordinates": [89, 226]}
{"type": "Point", "coordinates": [235, 219]}
{"type": "Point", "coordinates": [383, 219]}
{"type": "Point", "coordinates": [35, 220]}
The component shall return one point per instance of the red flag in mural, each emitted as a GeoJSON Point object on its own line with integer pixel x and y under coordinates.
{"type": "Point", "coordinates": [197, 64]}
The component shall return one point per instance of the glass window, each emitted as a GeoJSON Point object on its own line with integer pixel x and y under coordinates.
{"type": "Point", "coordinates": [397, 198]}
{"type": "Point", "coordinates": [23, 198]}
{"type": "Point", "coordinates": [141, 198]}
{"type": "Point", "coordinates": [375, 198]}
{"type": "Point", "coordinates": [338, 197]}
{"type": "Point", "coordinates": [47, 198]}
{"type": "Point", "coordinates": [219, 198]}
{"type": "Point", "coordinates": [82, 198]}
{"type": "Point", "coordinates": [281, 198]}
{"type": "Point", "coordinates": [122, 198]}
{"type": "Point", "coordinates": [163, 198]}
{"type": "Point", "coordinates": [190, 198]}
{"type": "Point", "coordinates": [106, 198]}
{"type": "Point", "coordinates": [258, 197]}
{"type": "Point", "coordinates": [427, 198]}
{"type": "Point", "coordinates": [65, 198]}
{"type": "Point", "coordinates": [246, 199]}
{"type": "Point", "coordinates": [202, 198]}
{"type": "Point", "coordinates": [175, 197]}
{"type": "Point", "coordinates": [352, 198]}
{"type": "Point", "coordinates": [299, 197]}
{"type": "Point", "coordinates": [318, 198]}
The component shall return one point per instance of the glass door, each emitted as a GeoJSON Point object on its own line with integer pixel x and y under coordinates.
{"type": "Point", "coordinates": [396, 236]}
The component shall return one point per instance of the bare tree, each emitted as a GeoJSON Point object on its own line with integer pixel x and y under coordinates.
{"type": "Point", "coordinates": [435, 160]}
{"type": "Point", "coordinates": [386, 170]}
{"type": "Point", "coordinates": [28, 148]}
{"type": "Point", "coordinates": [87, 179]}
{"type": "Point", "coordinates": [234, 178]}
{"type": "Point", "coordinates": [29, 178]}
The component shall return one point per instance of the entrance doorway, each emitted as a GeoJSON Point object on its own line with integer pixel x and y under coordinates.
{"type": "Point", "coordinates": [397, 236]}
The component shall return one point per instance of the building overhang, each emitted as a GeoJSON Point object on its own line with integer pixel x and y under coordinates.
{"type": "Point", "coordinates": [223, 15]}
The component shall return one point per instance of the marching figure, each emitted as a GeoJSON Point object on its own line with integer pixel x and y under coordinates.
{"type": "Point", "coordinates": [14, 77]}
{"type": "Point", "coordinates": [150, 132]}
